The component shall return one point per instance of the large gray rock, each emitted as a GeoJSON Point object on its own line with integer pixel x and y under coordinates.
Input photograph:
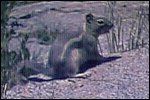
{"type": "Point", "coordinates": [63, 16]}
{"type": "Point", "coordinates": [50, 17]}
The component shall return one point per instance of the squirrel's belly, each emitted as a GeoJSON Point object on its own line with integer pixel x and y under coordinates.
{"type": "Point", "coordinates": [76, 58]}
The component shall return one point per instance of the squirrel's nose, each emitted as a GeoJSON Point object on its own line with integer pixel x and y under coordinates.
{"type": "Point", "coordinates": [111, 25]}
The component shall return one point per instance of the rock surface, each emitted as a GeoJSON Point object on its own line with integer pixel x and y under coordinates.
{"type": "Point", "coordinates": [127, 77]}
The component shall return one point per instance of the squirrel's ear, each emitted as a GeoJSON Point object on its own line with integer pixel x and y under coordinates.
{"type": "Point", "coordinates": [89, 17]}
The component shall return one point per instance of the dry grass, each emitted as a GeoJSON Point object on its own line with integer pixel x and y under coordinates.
{"type": "Point", "coordinates": [119, 39]}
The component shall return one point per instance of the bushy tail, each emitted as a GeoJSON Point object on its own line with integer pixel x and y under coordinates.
{"type": "Point", "coordinates": [32, 67]}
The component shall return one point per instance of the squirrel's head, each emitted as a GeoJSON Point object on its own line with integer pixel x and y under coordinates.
{"type": "Point", "coordinates": [97, 25]}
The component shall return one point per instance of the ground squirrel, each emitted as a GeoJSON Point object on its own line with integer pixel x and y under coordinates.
{"type": "Point", "coordinates": [70, 52]}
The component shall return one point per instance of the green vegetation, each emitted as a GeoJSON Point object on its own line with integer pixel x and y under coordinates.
{"type": "Point", "coordinates": [9, 58]}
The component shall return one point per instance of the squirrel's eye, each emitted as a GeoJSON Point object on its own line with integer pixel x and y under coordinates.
{"type": "Point", "coordinates": [100, 21]}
